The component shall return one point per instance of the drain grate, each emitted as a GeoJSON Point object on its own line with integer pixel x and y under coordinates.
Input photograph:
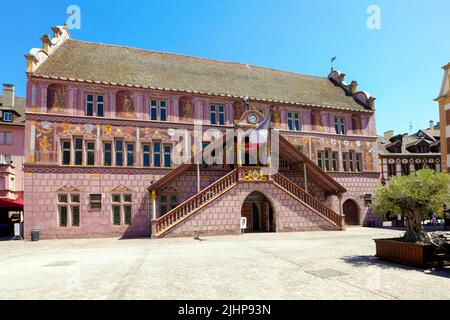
{"type": "Point", "coordinates": [327, 273]}
{"type": "Point", "coordinates": [61, 264]}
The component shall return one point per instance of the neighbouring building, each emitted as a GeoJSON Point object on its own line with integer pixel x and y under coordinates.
{"type": "Point", "coordinates": [12, 139]}
{"type": "Point", "coordinates": [402, 154]}
{"type": "Point", "coordinates": [98, 148]}
{"type": "Point", "coordinates": [444, 116]}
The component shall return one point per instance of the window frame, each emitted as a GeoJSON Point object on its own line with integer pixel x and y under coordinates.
{"type": "Point", "coordinates": [95, 105]}
{"type": "Point", "coordinates": [217, 114]}
{"type": "Point", "coordinates": [69, 204]}
{"type": "Point", "coordinates": [10, 117]}
{"type": "Point", "coordinates": [159, 110]}
{"type": "Point", "coordinates": [64, 149]}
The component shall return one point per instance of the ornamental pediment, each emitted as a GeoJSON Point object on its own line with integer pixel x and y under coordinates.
{"type": "Point", "coordinates": [68, 188]}
{"type": "Point", "coordinates": [121, 189]}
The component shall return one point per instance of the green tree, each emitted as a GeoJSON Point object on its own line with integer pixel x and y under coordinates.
{"type": "Point", "coordinates": [416, 197]}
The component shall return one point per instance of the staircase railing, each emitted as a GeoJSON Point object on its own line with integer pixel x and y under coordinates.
{"type": "Point", "coordinates": [194, 203]}
{"type": "Point", "coordinates": [286, 184]}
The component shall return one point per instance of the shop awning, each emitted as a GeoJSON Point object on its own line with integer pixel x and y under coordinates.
{"type": "Point", "coordinates": [11, 204]}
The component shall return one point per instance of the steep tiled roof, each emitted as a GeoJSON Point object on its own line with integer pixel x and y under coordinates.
{"type": "Point", "coordinates": [122, 65]}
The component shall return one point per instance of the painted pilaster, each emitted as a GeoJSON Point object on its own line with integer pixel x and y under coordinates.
{"type": "Point", "coordinates": [43, 97]}
{"type": "Point", "coordinates": [174, 109]}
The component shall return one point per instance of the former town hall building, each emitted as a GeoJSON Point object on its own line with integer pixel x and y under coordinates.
{"type": "Point", "coordinates": [98, 151]}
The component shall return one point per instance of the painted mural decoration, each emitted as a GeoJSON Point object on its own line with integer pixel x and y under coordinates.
{"type": "Point", "coordinates": [56, 98]}
{"type": "Point", "coordinates": [44, 140]}
{"type": "Point", "coordinates": [238, 110]}
{"type": "Point", "coordinates": [317, 121]}
{"type": "Point", "coordinates": [186, 110]}
{"type": "Point", "coordinates": [125, 105]}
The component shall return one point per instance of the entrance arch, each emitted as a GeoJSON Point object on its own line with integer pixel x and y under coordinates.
{"type": "Point", "coordinates": [259, 213]}
{"type": "Point", "coordinates": [351, 212]}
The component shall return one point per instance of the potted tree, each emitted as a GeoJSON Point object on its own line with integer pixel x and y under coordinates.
{"type": "Point", "coordinates": [415, 197]}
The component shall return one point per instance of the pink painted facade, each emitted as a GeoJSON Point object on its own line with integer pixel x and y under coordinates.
{"type": "Point", "coordinates": [91, 153]}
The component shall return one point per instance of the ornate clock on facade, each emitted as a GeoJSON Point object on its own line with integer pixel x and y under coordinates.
{"type": "Point", "coordinates": [252, 118]}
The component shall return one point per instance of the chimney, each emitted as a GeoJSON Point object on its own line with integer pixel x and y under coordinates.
{"type": "Point", "coordinates": [389, 134]}
{"type": "Point", "coordinates": [431, 124]}
{"type": "Point", "coordinates": [354, 87]}
{"type": "Point", "coordinates": [8, 95]}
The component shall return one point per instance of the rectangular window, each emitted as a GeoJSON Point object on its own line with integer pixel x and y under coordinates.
{"type": "Point", "coordinates": [153, 110]}
{"type": "Point", "coordinates": [100, 106]}
{"type": "Point", "coordinates": [392, 170]}
{"type": "Point", "coordinates": [405, 169]}
{"type": "Point", "coordinates": [65, 152]}
{"type": "Point", "coordinates": [63, 198]}
{"type": "Point", "coordinates": [336, 124]}
{"type": "Point", "coordinates": [221, 115]}
{"type": "Point", "coordinates": [343, 127]}
{"type": "Point", "coordinates": [130, 154]}
{"type": "Point", "coordinates": [7, 116]}
{"type": "Point", "coordinates": [94, 105]}
{"type": "Point", "coordinates": [78, 151]}
{"type": "Point", "coordinates": [89, 105]}
{"type": "Point", "coordinates": [213, 115]}
{"type": "Point", "coordinates": [297, 121]}
{"type": "Point", "coordinates": [146, 155]}
{"type": "Point", "coordinates": [290, 123]}
{"type": "Point", "coordinates": [95, 201]}
{"type": "Point", "coordinates": [345, 161]}
{"type": "Point", "coordinates": [116, 198]}
{"type": "Point", "coordinates": [127, 214]}
{"type": "Point", "coordinates": [358, 158]}
{"type": "Point", "coordinates": [90, 151]}
{"type": "Point", "coordinates": [335, 161]}
{"type": "Point", "coordinates": [162, 110]}
{"type": "Point", "coordinates": [327, 159]}
{"type": "Point", "coordinates": [127, 198]}
{"type": "Point", "coordinates": [167, 156]}
{"type": "Point", "coordinates": [320, 159]}
{"type": "Point", "coordinates": [107, 154]}
{"type": "Point", "coordinates": [116, 215]}
{"type": "Point", "coordinates": [157, 154]}
{"type": "Point", "coordinates": [350, 161]}
{"type": "Point", "coordinates": [62, 216]}
{"type": "Point", "coordinates": [75, 216]}
{"type": "Point", "coordinates": [119, 152]}
{"type": "Point", "coordinates": [162, 210]}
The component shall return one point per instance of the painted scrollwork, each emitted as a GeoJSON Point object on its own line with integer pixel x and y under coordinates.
{"type": "Point", "coordinates": [254, 175]}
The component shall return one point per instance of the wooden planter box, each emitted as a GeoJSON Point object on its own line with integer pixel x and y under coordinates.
{"type": "Point", "coordinates": [411, 254]}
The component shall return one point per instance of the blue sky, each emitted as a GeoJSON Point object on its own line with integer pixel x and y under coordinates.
{"type": "Point", "coordinates": [400, 64]}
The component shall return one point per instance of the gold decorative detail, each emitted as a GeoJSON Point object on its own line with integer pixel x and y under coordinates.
{"type": "Point", "coordinates": [65, 126]}
{"type": "Point", "coordinates": [318, 122]}
{"type": "Point", "coordinates": [32, 159]}
{"type": "Point", "coordinates": [128, 107]}
{"type": "Point", "coordinates": [108, 129]}
{"type": "Point", "coordinates": [153, 195]}
{"type": "Point", "coordinates": [276, 117]}
{"type": "Point", "coordinates": [254, 175]}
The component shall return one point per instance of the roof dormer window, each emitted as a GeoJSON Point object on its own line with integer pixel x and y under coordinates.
{"type": "Point", "coordinates": [7, 116]}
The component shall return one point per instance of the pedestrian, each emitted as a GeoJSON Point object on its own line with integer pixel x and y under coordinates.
{"type": "Point", "coordinates": [434, 220]}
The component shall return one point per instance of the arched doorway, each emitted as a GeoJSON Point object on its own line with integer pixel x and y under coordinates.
{"type": "Point", "coordinates": [259, 213]}
{"type": "Point", "coordinates": [351, 213]}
